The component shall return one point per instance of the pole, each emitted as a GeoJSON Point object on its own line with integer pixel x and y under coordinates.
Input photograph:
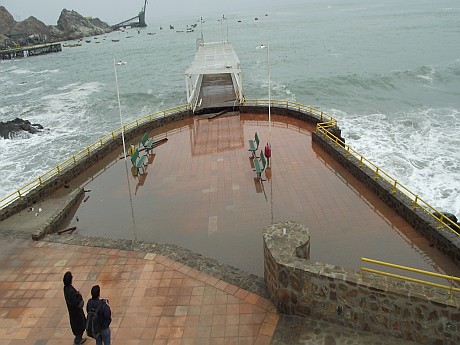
{"type": "Point", "coordinates": [119, 107]}
{"type": "Point", "coordinates": [269, 96]}
{"type": "Point", "coordinates": [124, 151]}
{"type": "Point", "coordinates": [222, 29]}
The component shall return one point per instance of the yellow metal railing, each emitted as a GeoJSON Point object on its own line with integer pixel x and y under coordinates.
{"type": "Point", "coordinates": [416, 201]}
{"type": "Point", "coordinates": [76, 158]}
{"type": "Point", "coordinates": [327, 121]}
{"type": "Point", "coordinates": [451, 279]}
{"type": "Point", "coordinates": [307, 109]}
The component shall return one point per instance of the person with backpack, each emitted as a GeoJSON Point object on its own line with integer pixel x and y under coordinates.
{"type": "Point", "coordinates": [99, 317]}
{"type": "Point", "coordinates": [75, 303]}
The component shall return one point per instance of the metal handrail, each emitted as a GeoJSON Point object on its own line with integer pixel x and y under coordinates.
{"type": "Point", "coordinates": [417, 202]}
{"type": "Point", "coordinates": [327, 122]}
{"type": "Point", "coordinates": [450, 287]}
{"type": "Point", "coordinates": [87, 151]}
{"type": "Point", "coordinates": [307, 109]}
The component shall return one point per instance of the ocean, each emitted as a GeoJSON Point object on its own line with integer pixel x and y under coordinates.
{"type": "Point", "coordinates": [388, 71]}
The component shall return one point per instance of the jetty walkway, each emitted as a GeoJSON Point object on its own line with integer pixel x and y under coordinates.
{"type": "Point", "coordinates": [38, 49]}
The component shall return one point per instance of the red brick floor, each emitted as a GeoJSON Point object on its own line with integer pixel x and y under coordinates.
{"type": "Point", "coordinates": [199, 192]}
{"type": "Point", "coordinates": [154, 300]}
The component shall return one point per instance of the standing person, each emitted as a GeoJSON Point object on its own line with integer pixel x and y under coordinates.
{"type": "Point", "coordinates": [75, 303]}
{"type": "Point", "coordinates": [268, 153]}
{"type": "Point", "coordinates": [104, 314]}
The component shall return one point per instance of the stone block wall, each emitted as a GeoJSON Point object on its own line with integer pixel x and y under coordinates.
{"type": "Point", "coordinates": [57, 181]}
{"type": "Point", "coordinates": [366, 302]}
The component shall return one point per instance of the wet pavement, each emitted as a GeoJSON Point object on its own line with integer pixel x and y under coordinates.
{"type": "Point", "coordinates": [200, 191]}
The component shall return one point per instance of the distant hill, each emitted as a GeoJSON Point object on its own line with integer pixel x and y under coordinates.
{"type": "Point", "coordinates": [71, 25]}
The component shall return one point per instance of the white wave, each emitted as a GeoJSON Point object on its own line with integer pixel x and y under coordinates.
{"type": "Point", "coordinates": [47, 71]}
{"type": "Point", "coordinates": [69, 127]}
{"type": "Point", "coordinates": [20, 71]}
{"type": "Point", "coordinates": [425, 77]}
{"type": "Point", "coordinates": [26, 92]}
{"type": "Point", "coordinates": [420, 149]}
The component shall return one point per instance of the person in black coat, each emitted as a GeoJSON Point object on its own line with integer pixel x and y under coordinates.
{"type": "Point", "coordinates": [75, 303]}
{"type": "Point", "coordinates": [104, 314]}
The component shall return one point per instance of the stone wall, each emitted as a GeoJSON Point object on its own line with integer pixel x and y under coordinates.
{"type": "Point", "coordinates": [442, 238]}
{"type": "Point", "coordinates": [366, 302]}
{"type": "Point", "coordinates": [57, 181]}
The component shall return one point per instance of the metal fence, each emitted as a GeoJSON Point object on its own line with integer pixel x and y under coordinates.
{"type": "Point", "coordinates": [449, 287]}
{"type": "Point", "coordinates": [417, 202]}
{"type": "Point", "coordinates": [327, 122]}
{"type": "Point", "coordinates": [87, 151]}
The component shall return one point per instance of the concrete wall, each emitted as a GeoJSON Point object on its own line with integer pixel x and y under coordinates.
{"type": "Point", "coordinates": [50, 186]}
{"type": "Point", "coordinates": [367, 302]}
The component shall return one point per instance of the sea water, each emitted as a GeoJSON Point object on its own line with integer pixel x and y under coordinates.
{"type": "Point", "coordinates": [388, 71]}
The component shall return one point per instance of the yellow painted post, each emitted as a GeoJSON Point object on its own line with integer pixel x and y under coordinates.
{"type": "Point", "coordinates": [58, 170]}
{"type": "Point", "coordinates": [441, 221]}
{"type": "Point", "coordinates": [19, 193]}
{"type": "Point", "coordinates": [101, 142]}
{"type": "Point", "coordinates": [40, 180]}
{"type": "Point", "coordinates": [361, 162]}
{"type": "Point", "coordinates": [321, 115]}
{"type": "Point", "coordinates": [376, 173]}
{"type": "Point", "coordinates": [113, 136]}
{"type": "Point", "coordinates": [415, 202]}
{"type": "Point", "coordinates": [394, 187]}
{"type": "Point", "coordinates": [74, 160]}
{"type": "Point", "coordinates": [89, 152]}
{"type": "Point", "coordinates": [310, 110]}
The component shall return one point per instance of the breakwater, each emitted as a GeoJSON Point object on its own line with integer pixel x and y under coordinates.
{"type": "Point", "coordinates": [40, 49]}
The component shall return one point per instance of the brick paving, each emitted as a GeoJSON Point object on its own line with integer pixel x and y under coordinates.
{"type": "Point", "coordinates": [154, 300]}
{"type": "Point", "coordinates": [161, 293]}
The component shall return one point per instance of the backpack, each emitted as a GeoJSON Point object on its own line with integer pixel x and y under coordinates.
{"type": "Point", "coordinates": [93, 323]}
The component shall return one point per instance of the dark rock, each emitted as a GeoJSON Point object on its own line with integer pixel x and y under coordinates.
{"type": "Point", "coordinates": [451, 216]}
{"type": "Point", "coordinates": [6, 20]}
{"type": "Point", "coordinates": [73, 25]}
{"type": "Point", "coordinates": [9, 128]}
{"type": "Point", "coordinates": [70, 25]}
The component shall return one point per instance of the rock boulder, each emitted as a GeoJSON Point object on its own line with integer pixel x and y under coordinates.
{"type": "Point", "coordinates": [73, 25]}
{"type": "Point", "coordinates": [10, 128]}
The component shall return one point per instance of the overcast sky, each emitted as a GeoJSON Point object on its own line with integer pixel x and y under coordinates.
{"type": "Point", "coordinates": [114, 11]}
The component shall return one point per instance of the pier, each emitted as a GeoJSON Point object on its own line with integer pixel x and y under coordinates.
{"type": "Point", "coordinates": [38, 49]}
{"type": "Point", "coordinates": [214, 80]}
{"type": "Point", "coordinates": [134, 22]}
{"type": "Point", "coordinates": [199, 208]}
{"type": "Point", "coordinates": [201, 249]}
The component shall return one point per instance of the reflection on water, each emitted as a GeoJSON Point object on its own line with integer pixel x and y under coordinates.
{"type": "Point", "coordinates": [199, 191]}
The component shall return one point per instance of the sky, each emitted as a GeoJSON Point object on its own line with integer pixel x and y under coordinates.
{"type": "Point", "coordinates": [114, 11]}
